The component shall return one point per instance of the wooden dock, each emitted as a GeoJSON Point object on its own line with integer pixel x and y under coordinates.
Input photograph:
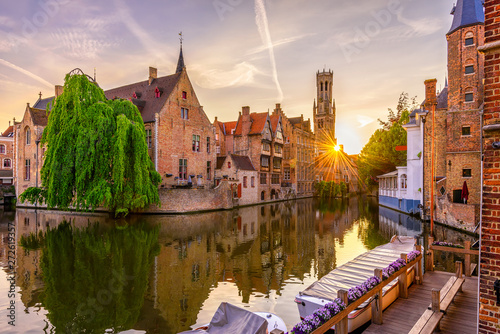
{"type": "Point", "coordinates": [404, 313]}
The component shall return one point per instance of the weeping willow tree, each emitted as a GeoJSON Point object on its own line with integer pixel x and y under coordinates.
{"type": "Point", "coordinates": [96, 279]}
{"type": "Point", "coordinates": [96, 153]}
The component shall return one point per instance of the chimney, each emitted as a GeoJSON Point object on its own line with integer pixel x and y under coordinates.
{"type": "Point", "coordinates": [430, 92]}
{"type": "Point", "coordinates": [153, 74]}
{"type": "Point", "coordinates": [59, 90]}
{"type": "Point", "coordinates": [245, 110]}
{"type": "Point", "coordinates": [215, 119]}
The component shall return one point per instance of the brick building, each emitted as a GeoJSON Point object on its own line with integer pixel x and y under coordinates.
{"type": "Point", "coordinates": [224, 137]}
{"type": "Point", "coordinates": [180, 137]}
{"type": "Point", "coordinates": [28, 153]}
{"type": "Point", "coordinates": [298, 154]}
{"type": "Point", "coordinates": [260, 137]}
{"type": "Point", "coordinates": [242, 176]}
{"type": "Point", "coordinates": [7, 156]}
{"type": "Point", "coordinates": [452, 161]}
{"type": "Point", "coordinates": [489, 273]}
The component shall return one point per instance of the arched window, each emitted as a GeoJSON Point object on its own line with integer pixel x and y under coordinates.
{"type": "Point", "coordinates": [262, 195]}
{"type": "Point", "coordinates": [403, 182]}
{"type": "Point", "coordinates": [28, 136]}
{"type": "Point", "coordinates": [2, 149]}
{"type": "Point", "coordinates": [7, 163]}
{"type": "Point", "coordinates": [469, 95]}
{"type": "Point", "coordinates": [469, 66]}
{"type": "Point", "coordinates": [321, 87]}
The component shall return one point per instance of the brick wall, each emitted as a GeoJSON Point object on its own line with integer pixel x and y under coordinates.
{"type": "Point", "coordinates": [489, 312]}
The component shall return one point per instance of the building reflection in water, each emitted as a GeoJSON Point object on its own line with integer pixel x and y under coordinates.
{"type": "Point", "coordinates": [256, 257]}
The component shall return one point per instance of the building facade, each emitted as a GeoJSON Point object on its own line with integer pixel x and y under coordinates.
{"type": "Point", "coordinates": [452, 161]}
{"type": "Point", "coordinates": [260, 137]}
{"type": "Point", "coordinates": [242, 176]}
{"type": "Point", "coordinates": [7, 157]}
{"type": "Point", "coordinates": [489, 271]}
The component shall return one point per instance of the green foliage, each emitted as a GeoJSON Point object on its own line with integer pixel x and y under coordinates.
{"type": "Point", "coordinates": [330, 189]}
{"type": "Point", "coordinates": [379, 155]}
{"type": "Point", "coordinates": [33, 241]}
{"type": "Point", "coordinates": [96, 153]}
{"type": "Point", "coordinates": [94, 279]}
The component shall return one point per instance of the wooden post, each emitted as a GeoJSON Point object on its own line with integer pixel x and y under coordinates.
{"type": "Point", "coordinates": [377, 302]}
{"type": "Point", "coordinates": [342, 326]}
{"type": "Point", "coordinates": [420, 277]}
{"type": "Point", "coordinates": [467, 259]}
{"type": "Point", "coordinates": [458, 272]}
{"type": "Point", "coordinates": [436, 300]}
{"type": "Point", "coordinates": [403, 281]}
{"type": "Point", "coordinates": [429, 263]}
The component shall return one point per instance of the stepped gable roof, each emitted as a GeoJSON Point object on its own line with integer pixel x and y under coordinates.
{"type": "Point", "coordinates": [467, 13]}
{"type": "Point", "coordinates": [242, 162]}
{"type": "Point", "coordinates": [43, 103]}
{"type": "Point", "coordinates": [220, 162]}
{"type": "Point", "coordinates": [39, 116]}
{"type": "Point", "coordinates": [442, 99]}
{"type": "Point", "coordinates": [148, 104]}
{"type": "Point", "coordinates": [258, 122]}
{"type": "Point", "coordinates": [9, 132]}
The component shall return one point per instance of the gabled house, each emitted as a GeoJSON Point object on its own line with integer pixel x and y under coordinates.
{"type": "Point", "coordinates": [254, 137]}
{"type": "Point", "coordinates": [242, 177]}
{"type": "Point", "coordinates": [7, 156]}
{"type": "Point", "coordinates": [224, 137]}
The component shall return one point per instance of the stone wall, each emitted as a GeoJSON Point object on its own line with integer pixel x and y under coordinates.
{"type": "Point", "coordinates": [194, 199]}
{"type": "Point", "coordinates": [489, 310]}
{"type": "Point", "coordinates": [462, 216]}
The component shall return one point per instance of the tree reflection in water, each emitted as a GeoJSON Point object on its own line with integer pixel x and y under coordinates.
{"type": "Point", "coordinates": [95, 279]}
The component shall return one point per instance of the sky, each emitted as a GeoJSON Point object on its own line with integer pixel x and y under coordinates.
{"type": "Point", "coordinates": [237, 52]}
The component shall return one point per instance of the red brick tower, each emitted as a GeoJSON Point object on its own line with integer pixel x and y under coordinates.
{"type": "Point", "coordinates": [489, 312]}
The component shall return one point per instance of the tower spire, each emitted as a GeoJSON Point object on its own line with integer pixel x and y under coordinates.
{"type": "Point", "coordinates": [180, 62]}
{"type": "Point", "coordinates": [467, 13]}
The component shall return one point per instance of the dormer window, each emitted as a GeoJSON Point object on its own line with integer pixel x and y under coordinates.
{"type": "Point", "coordinates": [229, 164]}
{"type": "Point", "coordinates": [184, 95]}
{"type": "Point", "coordinates": [157, 92]}
{"type": "Point", "coordinates": [134, 96]}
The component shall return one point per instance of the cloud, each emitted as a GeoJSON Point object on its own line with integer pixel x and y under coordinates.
{"type": "Point", "coordinates": [262, 26]}
{"type": "Point", "coordinates": [364, 120]}
{"type": "Point", "coordinates": [80, 43]}
{"type": "Point", "coordinates": [6, 21]}
{"type": "Point", "coordinates": [26, 72]}
{"type": "Point", "coordinates": [421, 27]}
{"type": "Point", "coordinates": [242, 74]}
{"type": "Point", "coordinates": [277, 43]}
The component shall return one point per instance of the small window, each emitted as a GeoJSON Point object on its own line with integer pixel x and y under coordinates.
{"type": "Point", "coordinates": [469, 97]}
{"type": "Point", "coordinates": [263, 178]}
{"type": "Point", "coordinates": [208, 144]}
{"type": "Point", "coordinates": [469, 41]}
{"type": "Point", "coordinates": [184, 113]}
{"type": "Point", "coordinates": [209, 170]}
{"type": "Point", "coordinates": [7, 163]}
{"type": "Point", "coordinates": [469, 69]}
{"type": "Point", "coordinates": [196, 143]}
{"type": "Point", "coordinates": [184, 95]}
{"type": "Point", "coordinates": [252, 181]}
{"type": "Point", "coordinates": [149, 138]}
{"type": "Point", "coordinates": [466, 172]}
{"type": "Point", "coordinates": [28, 137]}
{"type": "Point", "coordinates": [229, 164]}
{"type": "Point", "coordinates": [442, 190]}
{"type": "Point", "coordinates": [183, 169]}
{"type": "Point", "coordinates": [465, 130]}
{"type": "Point", "coordinates": [27, 170]}
{"type": "Point", "coordinates": [264, 161]}
{"type": "Point", "coordinates": [2, 149]}
{"type": "Point", "coordinates": [244, 181]}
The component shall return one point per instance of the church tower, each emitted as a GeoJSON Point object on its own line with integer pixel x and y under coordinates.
{"type": "Point", "coordinates": [324, 105]}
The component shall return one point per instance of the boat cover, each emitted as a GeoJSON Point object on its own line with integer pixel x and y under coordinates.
{"type": "Point", "coordinates": [356, 271]}
{"type": "Point", "coordinates": [231, 319]}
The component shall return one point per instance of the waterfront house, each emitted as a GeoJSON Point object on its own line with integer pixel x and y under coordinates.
{"type": "Point", "coordinates": [7, 156]}
{"type": "Point", "coordinates": [242, 177]}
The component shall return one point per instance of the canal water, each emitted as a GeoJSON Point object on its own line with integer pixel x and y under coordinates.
{"type": "Point", "coordinates": [165, 274]}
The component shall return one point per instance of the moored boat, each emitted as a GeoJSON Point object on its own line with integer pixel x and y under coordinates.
{"type": "Point", "coordinates": [354, 273]}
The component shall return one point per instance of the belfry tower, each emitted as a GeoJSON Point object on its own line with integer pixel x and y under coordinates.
{"type": "Point", "coordinates": [324, 108]}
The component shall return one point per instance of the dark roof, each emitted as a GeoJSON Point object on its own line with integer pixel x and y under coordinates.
{"type": "Point", "coordinates": [467, 13]}
{"type": "Point", "coordinates": [9, 132]}
{"type": "Point", "coordinates": [442, 99]}
{"type": "Point", "coordinates": [220, 162]}
{"type": "Point", "coordinates": [43, 103]}
{"type": "Point", "coordinates": [148, 102]}
{"type": "Point", "coordinates": [295, 120]}
{"type": "Point", "coordinates": [39, 116]}
{"type": "Point", "coordinates": [6, 173]}
{"type": "Point", "coordinates": [242, 162]}
{"type": "Point", "coordinates": [180, 62]}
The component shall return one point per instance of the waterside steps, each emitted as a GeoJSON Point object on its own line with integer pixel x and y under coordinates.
{"type": "Point", "coordinates": [454, 311]}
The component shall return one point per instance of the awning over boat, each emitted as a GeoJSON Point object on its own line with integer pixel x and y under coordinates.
{"type": "Point", "coordinates": [356, 271]}
{"type": "Point", "coordinates": [231, 319]}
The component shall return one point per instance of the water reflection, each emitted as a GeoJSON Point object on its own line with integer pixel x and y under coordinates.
{"type": "Point", "coordinates": [183, 266]}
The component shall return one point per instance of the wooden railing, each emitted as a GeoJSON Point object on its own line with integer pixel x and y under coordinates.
{"type": "Point", "coordinates": [468, 267]}
{"type": "Point", "coordinates": [341, 318]}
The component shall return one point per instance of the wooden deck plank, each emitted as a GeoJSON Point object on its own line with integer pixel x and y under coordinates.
{"type": "Point", "coordinates": [404, 313]}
